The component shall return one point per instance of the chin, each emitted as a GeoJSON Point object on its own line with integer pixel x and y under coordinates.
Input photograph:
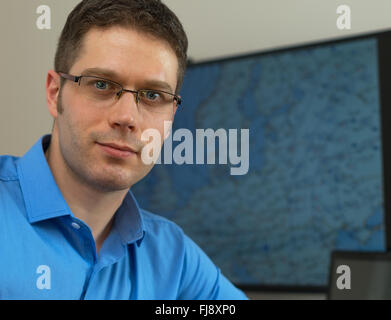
{"type": "Point", "coordinates": [111, 186]}
{"type": "Point", "coordinates": [106, 181]}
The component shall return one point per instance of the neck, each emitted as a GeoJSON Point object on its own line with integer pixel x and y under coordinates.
{"type": "Point", "coordinates": [95, 208]}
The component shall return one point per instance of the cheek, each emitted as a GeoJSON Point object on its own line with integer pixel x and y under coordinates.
{"type": "Point", "coordinates": [78, 116]}
{"type": "Point", "coordinates": [72, 125]}
{"type": "Point", "coordinates": [161, 124]}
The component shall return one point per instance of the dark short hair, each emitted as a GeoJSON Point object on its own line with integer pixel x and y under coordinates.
{"type": "Point", "coordinates": [149, 16]}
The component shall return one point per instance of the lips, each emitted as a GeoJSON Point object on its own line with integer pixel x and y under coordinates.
{"type": "Point", "coordinates": [116, 150]}
{"type": "Point", "coordinates": [119, 147]}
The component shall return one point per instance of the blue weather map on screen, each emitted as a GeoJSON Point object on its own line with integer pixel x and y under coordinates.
{"type": "Point", "coordinates": [314, 182]}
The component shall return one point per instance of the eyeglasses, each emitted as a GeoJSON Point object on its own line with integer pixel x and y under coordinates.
{"type": "Point", "coordinates": [106, 92]}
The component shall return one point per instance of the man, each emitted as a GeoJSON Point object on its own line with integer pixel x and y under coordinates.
{"type": "Point", "coordinates": [70, 227]}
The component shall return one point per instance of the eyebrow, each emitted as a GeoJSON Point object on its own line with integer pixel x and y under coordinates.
{"type": "Point", "coordinates": [148, 84]}
{"type": "Point", "coordinates": [100, 72]}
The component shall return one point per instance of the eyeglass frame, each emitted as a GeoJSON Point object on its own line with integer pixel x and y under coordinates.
{"type": "Point", "coordinates": [77, 79]}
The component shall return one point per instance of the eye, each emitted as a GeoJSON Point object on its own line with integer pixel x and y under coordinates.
{"type": "Point", "coordinates": [150, 95]}
{"type": "Point", "coordinates": [101, 85]}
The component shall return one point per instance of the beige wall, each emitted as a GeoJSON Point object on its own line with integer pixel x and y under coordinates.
{"type": "Point", "coordinates": [225, 27]}
{"type": "Point", "coordinates": [215, 28]}
{"type": "Point", "coordinates": [26, 55]}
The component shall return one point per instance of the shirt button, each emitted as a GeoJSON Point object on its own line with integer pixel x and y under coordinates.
{"type": "Point", "coordinates": [75, 225]}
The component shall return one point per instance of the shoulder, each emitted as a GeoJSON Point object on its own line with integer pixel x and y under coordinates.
{"type": "Point", "coordinates": [152, 218]}
{"type": "Point", "coordinates": [12, 208]}
{"type": "Point", "coordinates": [166, 236]}
{"type": "Point", "coordinates": [197, 276]}
{"type": "Point", "coordinates": [8, 168]}
{"type": "Point", "coordinates": [158, 226]}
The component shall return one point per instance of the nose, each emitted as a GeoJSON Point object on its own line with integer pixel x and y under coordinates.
{"type": "Point", "coordinates": [124, 114]}
{"type": "Point", "coordinates": [135, 94]}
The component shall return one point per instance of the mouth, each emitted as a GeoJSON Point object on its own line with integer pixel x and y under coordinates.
{"type": "Point", "coordinates": [117, 151]}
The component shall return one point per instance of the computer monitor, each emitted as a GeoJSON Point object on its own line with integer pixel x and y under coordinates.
{"type": "Point", "coordinates": [360, 276]}
{"type": "Point", "coordinates": [318, 119]}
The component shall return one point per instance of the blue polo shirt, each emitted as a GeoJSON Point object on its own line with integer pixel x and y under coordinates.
{"type": "Point", "coordinates": [47, 253]}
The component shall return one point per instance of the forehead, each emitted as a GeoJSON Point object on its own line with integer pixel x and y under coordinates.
{"type": "Point", "coordinates": [133, 55]}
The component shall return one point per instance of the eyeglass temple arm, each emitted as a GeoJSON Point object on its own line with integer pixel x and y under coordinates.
{"type": "Point", "coordinates": [178, 99]}
{"type": "Point", "coordinates": [69, 77]}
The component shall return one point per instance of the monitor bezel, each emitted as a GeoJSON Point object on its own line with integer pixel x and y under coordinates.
{"type": "Point", "coordinates": [353, 255]}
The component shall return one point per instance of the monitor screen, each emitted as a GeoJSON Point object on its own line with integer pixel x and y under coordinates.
{"type": "Point", "coordinates": [293, 168]}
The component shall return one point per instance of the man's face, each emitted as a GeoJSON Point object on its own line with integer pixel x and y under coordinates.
{"type": "Point", "coordinates": [137, 61]}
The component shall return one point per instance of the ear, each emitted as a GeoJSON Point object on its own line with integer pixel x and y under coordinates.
{"type": "Point", "coordinates": [52, 92]}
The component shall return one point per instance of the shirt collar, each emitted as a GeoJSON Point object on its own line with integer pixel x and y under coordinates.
{"type": "Point", "coordinates": [41, 194]}
{"type": "Point", "coordinates": [44, 199]}
{"type": "Point", "coordinates": [129, 222]}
